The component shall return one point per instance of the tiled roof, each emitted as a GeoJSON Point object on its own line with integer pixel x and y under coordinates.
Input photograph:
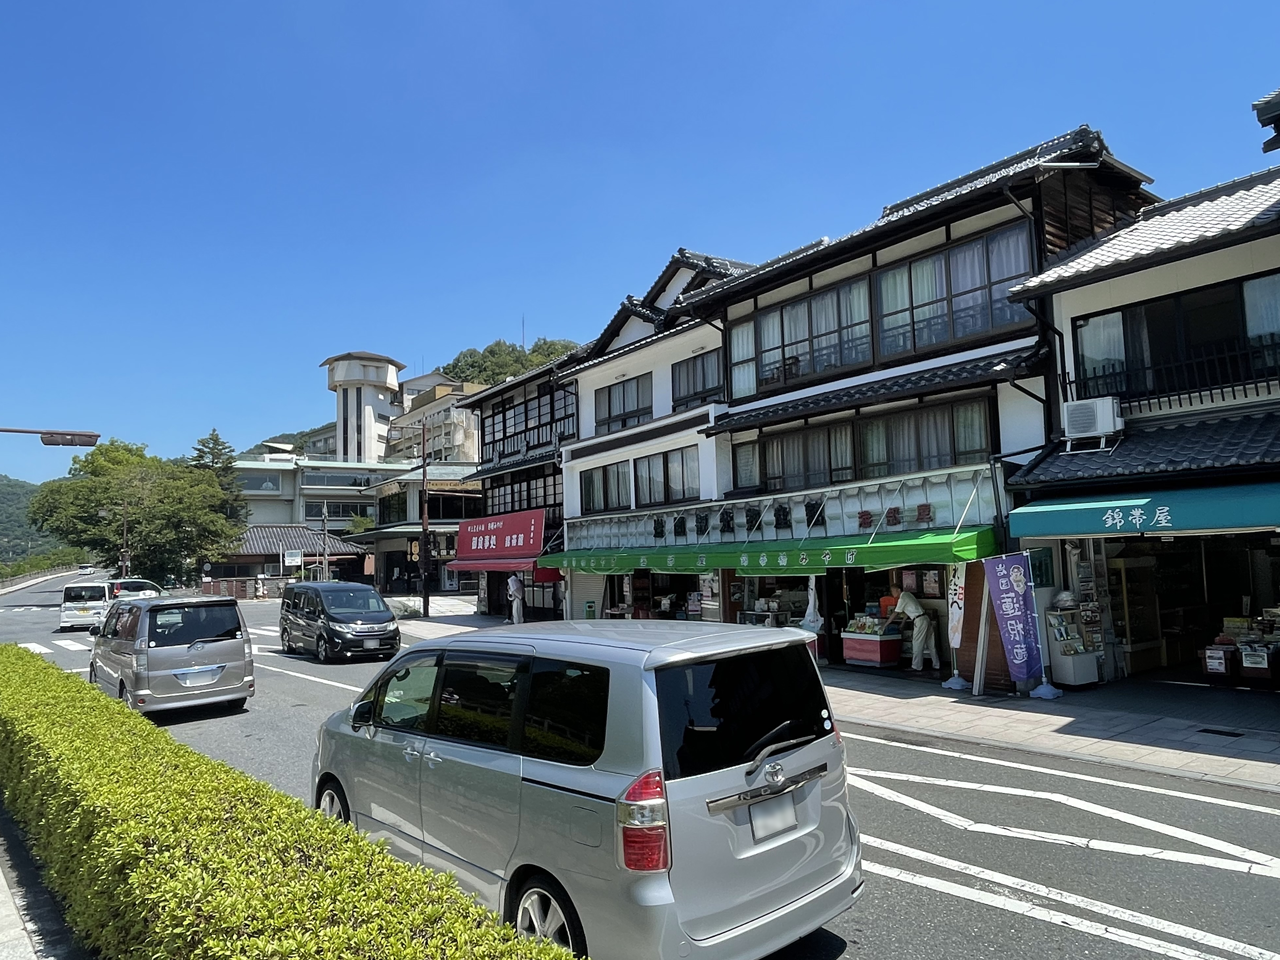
{"type": "Point", "coordinates": [1171, 228]}
{"type": "Point", "coordinates": [1082, 140]}
{"type": "Point", "coordinates": [364, 355]}
{"type": "Point", "coordinates": [1268, 108]}
{"type": "Point", "coordinates": [1224, 443]}
{"type": "Point", "coordinates": [512, 463]}
{"type": "Point", "coordinates": [1001, 366]}
{"type": "Point", "coordinates": [268, 539]}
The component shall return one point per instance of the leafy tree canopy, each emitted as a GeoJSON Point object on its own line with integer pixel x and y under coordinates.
{"type": "Point", "coordinates": [501, 359]}
{"type": "Point", "coordinates": [294, 440]}
{"type": "Point", "coordinates": [176, 512]}
{"type": "Point", "coordinates": [215, 454]}
{"type": "Point", "coordinates": [18, 538]}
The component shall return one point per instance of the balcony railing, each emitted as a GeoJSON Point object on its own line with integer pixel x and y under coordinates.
{"type": "Point", "coordinates": [530, 439]}
{"type": "Point", "coordinates": [1218, 373]}
{"type": "Point", "coordinates": [938, 500]}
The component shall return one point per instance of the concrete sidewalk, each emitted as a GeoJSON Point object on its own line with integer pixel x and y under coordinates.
{"type": "Point", "coordinates": [1069, 727]}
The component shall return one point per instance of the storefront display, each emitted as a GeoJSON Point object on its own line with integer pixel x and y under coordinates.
{"type": "Point", "coordinates": [868, 642]}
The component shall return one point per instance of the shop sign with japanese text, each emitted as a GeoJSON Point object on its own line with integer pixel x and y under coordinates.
{"type": "Point", "coordinates": [512, 535]}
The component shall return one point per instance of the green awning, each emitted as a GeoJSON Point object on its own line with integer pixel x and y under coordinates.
{"type": "Point", "coordinates": [790, 557]}
{"type": "Point", "coordinates": [1254, 506]}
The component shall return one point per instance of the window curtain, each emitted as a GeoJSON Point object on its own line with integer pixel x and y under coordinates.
{"type": "Point", "coordinates": [875, 448]}
{"type": "Point", "coordinates": [903, 449]}
{"type": "Point", "coordinates": [971, 431]}
{"type": "Point", "coordinates": [842, 452]}
{"type": "Point", "coordinates": [826, 331]}
{"type": "Point", "coordinates": [746, 460]}
{"type": "Point", "coordinates": [644, 481]}
{"type": "Point", "coordinates": [817, 465]}
{"type": "Point", "coordinates": [934, 434]}
{"type": "Point", "coordinates": [692, 481]}
{"type": "Point", "coordinates": [592, 490]}
{"type": "Point", "coordinates": [793, 461]}
{"type": "Point", "coordinates": [895, 311]}
{"type": "Point", "coordinates": [970, 312]}
{"type": "Point", "coordinates": [1009, 253]}
{"type": "Point", "coordinates": [1100, 353]}
{"type": "Point", "coordinates": [769, 326]}
{"type": "Point", "coordinates": [773, 460]}
{"type": "Point", "coordinates": [1262, 307]}
{"type": "Point", "coordinates": [675, 475]}
{"type": "Point", "coordinates": [855, 322]}
{"type": "Point", "coordinates": [795, 327]}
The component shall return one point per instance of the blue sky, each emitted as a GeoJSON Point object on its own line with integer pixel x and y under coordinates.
{"type": "Point", "coordinates": [199, 202]}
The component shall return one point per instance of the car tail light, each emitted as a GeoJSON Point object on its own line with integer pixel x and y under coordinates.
{"type": "Point", "coordinates": [642, 822]}
{"type": "Point", "coordinates": [140, 655]}
{"type": "Point", "coordinates": [835, 731]}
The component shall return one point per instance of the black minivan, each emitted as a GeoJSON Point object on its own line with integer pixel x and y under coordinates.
{"type": "Point", "coordinates": [337, 621]}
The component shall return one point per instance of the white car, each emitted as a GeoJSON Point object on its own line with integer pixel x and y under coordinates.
{"type": "Point", "coordinates": [83, 605]}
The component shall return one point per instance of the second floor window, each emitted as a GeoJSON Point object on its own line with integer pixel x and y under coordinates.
{"type": "Point", "coordinates": [927, 438]}
{"type": "Point", "coordinates": [607, 488]}
{"type": "Point", "coordinates": [696, 381]}
{"type": "Point", "coordinates": [532, 423]}
{"type": "Point", "coordinates": [670, 477]}
{"type": "Point", "coordinates": [1198, 340]}
{"type": "Point", "coordinates": [625, 404]}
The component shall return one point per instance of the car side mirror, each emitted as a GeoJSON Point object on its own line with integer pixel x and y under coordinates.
{"type": "Point", "coordinates": [362, 714]}
{"type": "Point", "coordinates": [95, 630]}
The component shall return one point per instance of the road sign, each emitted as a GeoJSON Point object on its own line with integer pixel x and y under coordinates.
{"type": "Point", "coordinates": [293, 558]}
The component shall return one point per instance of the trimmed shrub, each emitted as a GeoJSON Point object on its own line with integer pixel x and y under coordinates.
{"type": "Point", "coordinates": [157, 851]}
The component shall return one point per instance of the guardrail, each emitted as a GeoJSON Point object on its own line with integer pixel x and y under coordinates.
{"type": "Point", "coordinates": [37, 575]}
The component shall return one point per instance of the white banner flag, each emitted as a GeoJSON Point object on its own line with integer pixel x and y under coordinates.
{"type": "Point", "coordinates": [955, 604]}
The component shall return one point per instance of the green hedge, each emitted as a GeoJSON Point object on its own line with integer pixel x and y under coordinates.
{"type": "Point", "coordinates": [159, 852]}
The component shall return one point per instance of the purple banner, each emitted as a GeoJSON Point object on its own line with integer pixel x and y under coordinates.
{"type": "Point", "coordinates": [1012, 595]}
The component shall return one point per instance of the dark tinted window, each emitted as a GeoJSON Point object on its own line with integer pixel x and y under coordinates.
{"type": "Point", "coordinates": [403, 698]}
{"type": "Point", "coordinates": [179, 626]}
{"type": "Point", "coordinates": [565, 718]}
{"type": "Point", "coordinates": [128, 626]}
{"type": "Point", "coordinates": [720, 713]}
{"type": "Point", "coordinates": [87, 594]}
{"type": "Point", "coordinates": [477, 694]}
{"type": "Point", "coordinates": [354, 600]}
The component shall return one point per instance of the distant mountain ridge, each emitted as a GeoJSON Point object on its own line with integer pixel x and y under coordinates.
{"type": "Point", "coordinates": [17, 537]}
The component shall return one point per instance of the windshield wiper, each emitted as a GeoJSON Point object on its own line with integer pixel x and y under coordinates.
{"type": "Point", "coordinates": [771, 748]}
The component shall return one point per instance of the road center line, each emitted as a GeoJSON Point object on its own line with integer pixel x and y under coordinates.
{"type": "Point", "coordinates": [1166, 927]}
{"type": "Point", "coordinates": [1031, 910]}
{"type": "Point", "coordinates": [304, 676]}
{"type": "Point", "coordinates": [1155, 826]}
{"type": "Point", "coordinates": [972, 826]}
{"type": "Point", "coordinates": [1066, 774]}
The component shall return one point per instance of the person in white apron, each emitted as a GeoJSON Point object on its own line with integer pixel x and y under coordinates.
{"type": "Point", "coordinates": [922, 638]}
{"type": "Point", "coordinates": [515, 593]}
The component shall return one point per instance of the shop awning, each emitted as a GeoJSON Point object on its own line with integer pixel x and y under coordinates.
{"type": "Point", "coordinates": [496, 565]}
{"type": "Point", "coordinates": [1159, 513]}
{"type": "Point", "coordinates": [790, 557]}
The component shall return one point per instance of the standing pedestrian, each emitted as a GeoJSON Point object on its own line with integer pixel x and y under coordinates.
{"type": "Point", "coordinates": [515, 593]}
{"type": "Point", "coordinates": [922, 639]}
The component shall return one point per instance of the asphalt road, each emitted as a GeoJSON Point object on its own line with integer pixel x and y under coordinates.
{"type": "Point", "coordinates": [970, 852]}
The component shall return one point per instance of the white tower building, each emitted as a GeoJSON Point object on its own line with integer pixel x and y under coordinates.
{"type": "Point", "coordinates": [367, 394]}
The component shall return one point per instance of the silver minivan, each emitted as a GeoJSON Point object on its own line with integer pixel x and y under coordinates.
{"type": "Point", "coordinates": [631, 789]}
{"type": "Point", "coordinates": [157, 653]}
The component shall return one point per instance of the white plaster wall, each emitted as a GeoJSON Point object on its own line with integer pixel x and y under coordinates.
{"type": "Point", "coordinates": [634, 329]}
{"type": "Point", "coordinates": [270, 511]}
{"type": "Point", "coordinates": [1259, 256]}
{"type": "Point", "coordinates": [1021, 418]}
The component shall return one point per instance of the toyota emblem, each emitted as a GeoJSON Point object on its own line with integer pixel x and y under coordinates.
{"type": "Point", "coordinates": [773, 773]}
{"type": "Point", "coordinates": [197, 646]}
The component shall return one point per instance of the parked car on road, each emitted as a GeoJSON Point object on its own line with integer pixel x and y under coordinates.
{"type": "Point", "coordinates": [123, 589]}
{"type": "Point", "coordinates": [637, 789]}
{"type": "Point", "coordinates": [337, 621]}
{"type": "Point", "coordinates": [157, 653]}
{"type": "Point", "coordinates": [82, 605]}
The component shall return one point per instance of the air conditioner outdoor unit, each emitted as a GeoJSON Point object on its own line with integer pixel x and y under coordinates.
{"type": "Point", "coordinates": [1098, 417]}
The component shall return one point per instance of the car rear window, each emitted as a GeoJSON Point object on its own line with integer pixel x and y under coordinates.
{"type": "Point", "coordinates": [180, 626]}
{"type": "Point", "coordinates": [719, 713]}
{"type": "Point", "coordinates": [137, 586]}
{"type": "Point", "coordinates": [84, 594]}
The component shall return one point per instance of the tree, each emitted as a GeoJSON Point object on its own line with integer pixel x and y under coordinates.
{"type": "Point", "coordinates": [501, 359]}
{"type": "Point", "coordinates": [360, 524]}
{"type": "Point", "coordinates": [215, 454]}
{"type": "Point", "coordinates": [175, 511]}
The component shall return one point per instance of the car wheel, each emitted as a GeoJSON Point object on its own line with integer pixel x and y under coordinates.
{"type": "Point", "coordinates": [333, 802]}
{"type": "Point", "coordinates": [544, 912]}
{"type": "Point", "coordinates": [93, 673]}
{"type": "Point", "coordinates": [286, 644]}
{"type": "Point", "coordinates": [322, 649]}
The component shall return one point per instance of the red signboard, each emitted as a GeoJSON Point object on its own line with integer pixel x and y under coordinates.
{"type": "Point", "coordinates": [515, 535]}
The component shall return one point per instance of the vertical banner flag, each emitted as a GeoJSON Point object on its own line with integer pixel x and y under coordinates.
{"type": "Point", "coordinates": [1011, 593]}
{"type": "Point", "coordinates": [955, 604]}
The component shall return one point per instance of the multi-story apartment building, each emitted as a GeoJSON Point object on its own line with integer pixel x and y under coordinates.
{"type": "Point", "coordinates": [1158, 499]}
{"type": "Point", "coordinates": [451, 431]}
{"type": "Point", "coordinates": [855, 417]}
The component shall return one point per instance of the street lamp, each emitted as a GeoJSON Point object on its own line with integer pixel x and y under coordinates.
{"type": "Point", "coordinates": [60, 438]}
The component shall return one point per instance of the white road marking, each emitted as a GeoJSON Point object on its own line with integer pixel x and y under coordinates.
{"type": "Point", "coordinates": [1155, 826]}
{"type": "Point", "coordinates": [263, 632]}
{"type": "Point", "coordinates": [35, 648]}
{"type": "Point", "coordinates": [1166, 927]}
{"type": "Point", "coordinates": [262, 650]}
{"type": "Point", "coordinates": [1035, 912]}
{"type": "Point", "coordinates": [1068, 775]}
{"type": "Point", "coordinates": [70, 645]}
{"type": "Point", "coordinates": [1154, 853]}
{"type": "Point", "coordinates": [78, 670]}
{"type": "Point", "coordinates": [305, 676]}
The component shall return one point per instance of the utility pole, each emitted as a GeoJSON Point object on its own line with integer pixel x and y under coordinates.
{"type": "Point", "coordinates": [424, 545]}
{"type": "Point", "coordinates": [324, 536]}
{"type": "Point", "coordinates": [124, 552]}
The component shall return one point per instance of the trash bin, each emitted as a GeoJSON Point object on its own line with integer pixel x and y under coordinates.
{"type": "Point", "coordinates": [589, 610]}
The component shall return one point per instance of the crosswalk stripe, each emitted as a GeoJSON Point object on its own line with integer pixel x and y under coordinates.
{"type": "Point", "coordinates": [262, 631]}
{"type": "Point", "coordinates": [35, 648]}
{"type": "Point", "coordinates": [70, 645]}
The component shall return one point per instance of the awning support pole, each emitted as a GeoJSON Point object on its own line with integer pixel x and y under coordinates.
{"type": "Point", "coordinates": [956, 532]}
{"type": "Point", "coordinates": [821, 507]}
{"type": "Point", "coordinates": [980, 660]}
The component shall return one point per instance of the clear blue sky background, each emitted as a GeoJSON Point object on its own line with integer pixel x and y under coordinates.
{"type": "Point", "coordinates": [201, 201]}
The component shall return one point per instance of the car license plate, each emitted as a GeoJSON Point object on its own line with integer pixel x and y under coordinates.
{"type": "Point", "coordinates": [371, 643]}
{"type": "Point", "coordinates": [82, 610]}
{"type": "Point", "coordinates": [772, 816]}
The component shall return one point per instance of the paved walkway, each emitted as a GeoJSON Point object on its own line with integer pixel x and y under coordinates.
{"type": "Point", "coordinates": [1162, 734]}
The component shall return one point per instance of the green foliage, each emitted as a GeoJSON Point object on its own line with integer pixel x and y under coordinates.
{"type": "Point", "coordinates": [295, 440]}
{"type": "Point", "coordinates": [59, 557]}
{"type": "Point", "coordinates": [157, 851]}
{"type": "Point", "coordinates": [17, 536]}
{"type": "Point", "coordinates": [215, 454]}
{"type": "Point", "coordinates": [501, 359]}
{"type": "Point", "coordinates": [360, 524]}
{"type": "Point", "coordinates": [174, 510]}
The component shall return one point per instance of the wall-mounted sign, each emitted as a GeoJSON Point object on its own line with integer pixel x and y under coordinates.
{"type": "Point", "coordinates": [511, 535]}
